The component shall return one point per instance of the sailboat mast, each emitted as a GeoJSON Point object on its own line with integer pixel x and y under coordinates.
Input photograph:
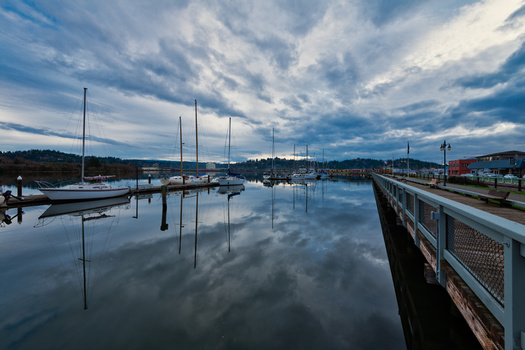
{"type": "Point", "coordinates": [273, 147]}
{"type": "Point", "coordinates": [83, 136]}
{"type": "Point", "coordinates": [180, 129]}
{"type": "Point", "coordinates": [307, 159]}
{"type": "Point", "coordinates": [196, 139]}
{"type": "Point", "coordinates": [229, 142]}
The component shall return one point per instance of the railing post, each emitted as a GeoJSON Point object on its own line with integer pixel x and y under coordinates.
{"type": "Point", "coordinates": [514, 319]}
{"type": "Point", "coordinates": [402, 192]}
{"type": "Point", "coordinates": [441, 224]}
{"type": "Point", "coordinates": [416, 219]}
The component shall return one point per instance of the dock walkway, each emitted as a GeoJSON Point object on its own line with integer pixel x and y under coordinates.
{"type": "Point", "coordinates": [466, 195]}
{"type": "Point", "coordinates": [476, 250]}
{"type": "Point", "coordinates": [40, 199]}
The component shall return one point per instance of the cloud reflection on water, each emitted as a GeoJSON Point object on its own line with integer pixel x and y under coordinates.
{"type": "Point", "coordinates": [317, 280]}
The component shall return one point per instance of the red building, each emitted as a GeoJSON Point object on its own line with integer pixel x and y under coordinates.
{"type": "Point", "coordinates": [460, 167]}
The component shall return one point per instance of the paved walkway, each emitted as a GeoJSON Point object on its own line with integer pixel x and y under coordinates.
{"type": "Point", "coordinates": [510, 213]}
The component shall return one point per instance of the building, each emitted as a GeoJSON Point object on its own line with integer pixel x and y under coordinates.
{"type": "Point", "coordinates": [460, 166]}
{"type": "Point", "coordinates": [510, 162]}
{"type": "Point", "coordinates": [210, 165]}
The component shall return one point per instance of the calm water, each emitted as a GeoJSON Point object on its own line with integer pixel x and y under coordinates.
{"type": "Point", "coordinates": [283, 267]}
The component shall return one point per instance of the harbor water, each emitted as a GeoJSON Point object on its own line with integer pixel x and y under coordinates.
{"type": "Point", "coordinates": [281, 266]}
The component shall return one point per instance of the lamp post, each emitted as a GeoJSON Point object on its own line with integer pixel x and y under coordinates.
{"type": "Point", "coordinates": [444, 148]}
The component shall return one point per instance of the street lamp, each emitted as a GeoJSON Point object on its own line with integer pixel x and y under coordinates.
{"type": "Point", "coordinates": [444, 148]}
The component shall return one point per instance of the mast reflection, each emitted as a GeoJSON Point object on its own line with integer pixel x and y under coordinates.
{"type": "Point", "coordinates": [87, 211]}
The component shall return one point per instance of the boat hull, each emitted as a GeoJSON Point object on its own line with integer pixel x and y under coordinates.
{"type": "Point", "coordinates": [65, 194]}
{"type": "Point", "coordinates": [230, 181]}
{"type": "Point", "coordinates": [188, 180]}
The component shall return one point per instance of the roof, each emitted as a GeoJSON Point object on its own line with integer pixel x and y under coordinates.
{"type": "Point", "coordinates": [501, 153]}
{"type": "Point", "coordinates": [495, 164]}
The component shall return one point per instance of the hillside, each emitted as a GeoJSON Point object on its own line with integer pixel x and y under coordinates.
{"type": "Point", "coordinates": [48, 161]}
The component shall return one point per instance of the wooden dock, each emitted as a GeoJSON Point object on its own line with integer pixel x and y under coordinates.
{"type": "Point", "coordinates": [40, 199]}
{"type": "Point", "coordinates": [479, 259]}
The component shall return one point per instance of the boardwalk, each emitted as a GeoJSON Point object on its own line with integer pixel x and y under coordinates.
{"type": "Point", "coordinates": [509, 213]}
{"type": "Point", "coordinates": [476, 249]}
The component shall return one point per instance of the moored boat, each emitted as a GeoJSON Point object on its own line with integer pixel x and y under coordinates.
{"type": "Point", "coordinates": [82, 190]}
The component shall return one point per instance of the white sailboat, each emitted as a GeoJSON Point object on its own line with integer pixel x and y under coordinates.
{"type": "Point", "coordinates": [177, 179]}
{"type": "Point", "coordinates": [230, 178]}
{"type": "Point", "coordinates": [82, 190]}
{"type": "Point", "coordinates": [188, 179]}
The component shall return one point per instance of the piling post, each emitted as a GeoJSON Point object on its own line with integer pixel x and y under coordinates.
{"type": "Point", "coordinates": [149, 179]}
{"type": "Point", "coordinates": [19, 186]}
{"type": "Point", "coordinates": [137, 176]}
{"type": "Point", "coordinates": [164, 225]}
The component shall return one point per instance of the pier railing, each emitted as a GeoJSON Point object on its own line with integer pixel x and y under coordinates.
{"type": "Point", "coordinates": [486, 251]}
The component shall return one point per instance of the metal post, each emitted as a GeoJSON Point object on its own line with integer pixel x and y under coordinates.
{"type": "Point", "coordinates": [514, 319]}
{"type": "Point", "coordinates": [443, 148]}
{"type": "Point", "coordinates": [416, 219]}
{"type": "Point", "coordinates": [519, 185]}
{"type": "Point", "coordinates": [441, 224]}
{"type": "Point", "coordinates": [402, 192]}
{"type": "Point", "coordinates": [495, 183]}
{"type": "Point", "coordinates": [149, 179]}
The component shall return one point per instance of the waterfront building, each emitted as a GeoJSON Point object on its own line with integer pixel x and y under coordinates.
{"type": "Point", "coordinates": [509, 162]}
{"type": "Point", "coordinates": [460, 166]}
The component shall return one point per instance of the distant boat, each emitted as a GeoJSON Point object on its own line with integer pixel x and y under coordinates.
{"type": "Point", "coordinates": [230, 178]}
{"type": "Point", "coordinates": [187, 179]}
{"type": "Point", "coordinates": [83, 191]}
{"type": "Point", "coordinates": [273, 175]}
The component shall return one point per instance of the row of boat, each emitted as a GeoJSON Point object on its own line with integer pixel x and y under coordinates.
{"type": "Point", "coordinates": [96, 188]}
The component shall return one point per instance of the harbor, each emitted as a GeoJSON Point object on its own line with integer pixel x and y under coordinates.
{"type": "Point", "coordinates": [478, 322]}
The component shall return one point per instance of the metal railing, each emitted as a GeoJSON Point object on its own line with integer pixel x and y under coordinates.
{"type": "Point", "coordinates": [485, 250]}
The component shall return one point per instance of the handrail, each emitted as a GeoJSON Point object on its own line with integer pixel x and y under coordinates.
{"type": "Point", "coordinates": [485, 250]}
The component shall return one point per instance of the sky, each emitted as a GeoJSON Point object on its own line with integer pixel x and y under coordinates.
{"type": "Point", "coordinates": [347, 79]}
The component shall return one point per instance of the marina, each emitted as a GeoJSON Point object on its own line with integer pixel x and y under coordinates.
{"type": "Point", "coordinates": [315, 220]}
{"type": "Point", "coordinates": [271, 267]}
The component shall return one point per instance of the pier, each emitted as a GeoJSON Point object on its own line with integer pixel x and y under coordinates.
{"type": "Point", "coordinates": [40, 199]}
{"type": "Point", "coordinates": [475, 249]}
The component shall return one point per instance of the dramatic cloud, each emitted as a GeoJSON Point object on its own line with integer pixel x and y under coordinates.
{"type": "Point", "coordinates": [356, 79]}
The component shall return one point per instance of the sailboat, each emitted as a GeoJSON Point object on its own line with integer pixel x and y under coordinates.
{"type": "Point", "coordinates": [177, 179]}
{"type": "Point", "coordinates": [82, 190]}
{"type": "Point", "coordinates": [230, 178]}
{"type": "Point", "coordinates": [304, 174]}
{"type": "Point", "coordinates": [188, 179]}
{"type": "Point", "coordinates": [274, 175]}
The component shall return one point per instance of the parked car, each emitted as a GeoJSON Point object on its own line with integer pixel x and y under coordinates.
{"type": "Point", "coordinates": [494, 175]}
{"type": "Point", "coordinates": [510, 176]}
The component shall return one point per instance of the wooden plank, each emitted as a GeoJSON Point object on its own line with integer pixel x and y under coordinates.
{"type": "Point", "coordinates": [489, 332]}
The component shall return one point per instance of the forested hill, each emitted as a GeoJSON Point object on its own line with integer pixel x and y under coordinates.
{"type": "Point", "coordinates": [359, 163]}
{"type": "Point", "coordinates": [47, 158]}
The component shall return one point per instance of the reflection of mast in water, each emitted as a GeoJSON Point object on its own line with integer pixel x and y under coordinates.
{"type": "Point", "coordinates": [82, 209]}
{"type": "Point", "coordinates": [231, 191]}
{"type": "Point", "coordinates": [230, 195]}
{"type": "Point", "coordinates": [273, 203]}
{"type": "Point", "coordinates": [196, 222]}
{"type": "Point", "coordinates": [180, 223]}
{"type": "Point", "coordinates": [84, 263]}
